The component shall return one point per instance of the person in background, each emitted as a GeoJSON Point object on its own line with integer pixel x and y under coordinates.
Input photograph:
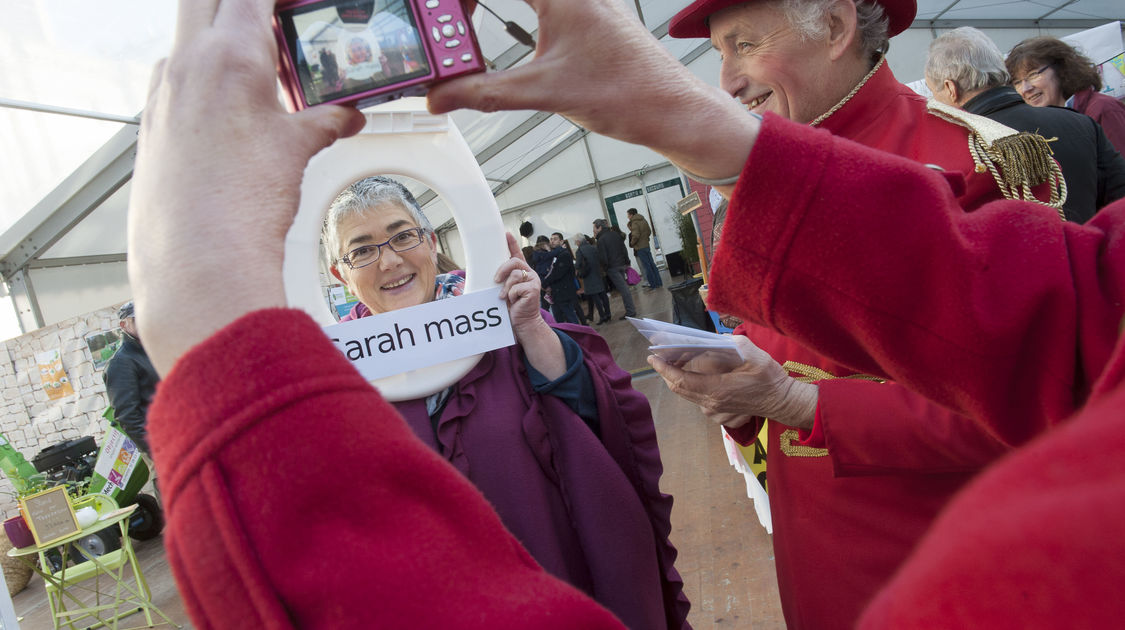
{"type": "Point", "coordinates": [582, 319]}
{"type": "Point", "coordinates": [130, 380]}
{"type": "Point", "coordinates": [445, 264]}
{"type": "Point", "coordinates": [615, 260]}
{"type": "Point", "coordinates": [589, 269]}
{"type": "Point", "coordinates": [561, 282]}
{"type": "Point", "coordinates": [639, 235]}
{"type": "Point", "coordinates": [1049, 72]}
{"type": "Point", "coordinates": [526, 424]}
{"type": "Point", "coordinates": [965, 69]}
{"type": "Point", "coordinates": [541, 263]}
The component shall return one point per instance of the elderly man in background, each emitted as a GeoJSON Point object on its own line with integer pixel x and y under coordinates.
{"type": "Point", "coordinates": [965, 69]}
{"type": "Point", "coordinates": [639, 234]}
{"type": "Point", "coordinates": [857, 469]}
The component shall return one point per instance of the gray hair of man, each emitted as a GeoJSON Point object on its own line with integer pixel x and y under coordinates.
{"type": "Point", "coordinates": [360, 198]}
{"type": "Point", "coordinates": [967, 57]}
{"type": "Point", "coordinates": [810, 19]}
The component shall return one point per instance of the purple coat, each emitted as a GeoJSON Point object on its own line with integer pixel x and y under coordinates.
{"type": "Point", "coordinates": [589, 511]}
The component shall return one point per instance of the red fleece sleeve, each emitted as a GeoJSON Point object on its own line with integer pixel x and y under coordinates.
{"type": "Point", "coordinates": [297, 497]}
{"type": "Point", "coordinates": [1003, 314]}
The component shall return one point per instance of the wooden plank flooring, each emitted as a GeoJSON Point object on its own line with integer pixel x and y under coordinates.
{"type": "Point", "coordinates": [726, 558]}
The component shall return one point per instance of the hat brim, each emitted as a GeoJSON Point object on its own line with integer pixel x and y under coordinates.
{"type": "Point", "coordinates": [691, 22]}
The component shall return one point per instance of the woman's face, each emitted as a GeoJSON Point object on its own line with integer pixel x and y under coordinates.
{"type": "Point", "coordinates": [1039, 86]}
{"type": "Point", "coordinates": [396, 279]}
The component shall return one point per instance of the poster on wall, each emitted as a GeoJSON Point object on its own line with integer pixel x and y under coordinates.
{"type": "Point", "coordinates": [662, 199]}
{"type": "Point", "coordinates": [341, 300]}
{"type": "Point", "coordinates": [103, 345]}
{"type": "Point", "coordinates": [1103, 45]}
{"type": "Point", "coordinates": [52, 375]}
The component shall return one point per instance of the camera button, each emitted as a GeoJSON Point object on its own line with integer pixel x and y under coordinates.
{"type": "Point", "coordinates": [452, 43]}
{"type": "Point", "coordinates": [460, 27]}
{"type": "Point", "coordinates": [447, 62]}
{"type": "Point", "coordinates": [432, 4]}
{"type": "Point", "coordinates": [467, 57]}
{"type": "Point", "coordinates": [442, 19]}
{"type": "Point", "coordinates": [447, 30]}
{"type": "Point", "coordinates": [436, 34]}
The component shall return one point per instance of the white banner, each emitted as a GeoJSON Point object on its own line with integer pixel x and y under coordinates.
{"type": "Point", "coordinates": [424, 335]}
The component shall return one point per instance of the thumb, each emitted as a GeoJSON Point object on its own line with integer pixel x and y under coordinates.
{"type": "Point", "coordinates": [325, 124]}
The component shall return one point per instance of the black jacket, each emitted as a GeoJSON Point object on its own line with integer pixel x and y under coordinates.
{"type": "Point", "coordinates": [590, 269]}
{"type": "Point", "coordinates": [561, 279]}
{"type": "Point", "coordinates": [130, 381]}
{"type": "Point", "coordinates": [611, 249]}
{"type": "Point", "coordinates": [1093, 170]}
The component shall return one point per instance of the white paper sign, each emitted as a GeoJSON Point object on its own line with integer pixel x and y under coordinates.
{"type": "Point", "coordinates": [424, 335]}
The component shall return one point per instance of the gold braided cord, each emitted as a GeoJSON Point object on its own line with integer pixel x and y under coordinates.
{"type": "Point", "coordinates": [835, 108]}
{"type": "Point", "coordinates": [1026, 159]}
{"type": "Point", "coordinates": [809, 373]}
{"type": "Point", "coordinates": [789, 449]}
{"type": "Point", "coordinates": [1017, 160]}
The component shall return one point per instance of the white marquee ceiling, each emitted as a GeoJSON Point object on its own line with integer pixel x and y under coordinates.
{"type": "Point", "coordinates": [64, 179]}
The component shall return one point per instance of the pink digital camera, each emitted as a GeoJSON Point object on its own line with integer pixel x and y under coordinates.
{"type": "Point", "coordinates": [364, 52]}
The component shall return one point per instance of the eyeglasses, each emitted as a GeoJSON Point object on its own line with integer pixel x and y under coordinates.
{"type": "Point", "coordinates": [364, 255]}
{"type": "Point", "coordinates": [1031, 76]}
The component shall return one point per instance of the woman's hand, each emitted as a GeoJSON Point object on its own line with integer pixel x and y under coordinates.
{"type": "Point", "coordinates": [520, 289]}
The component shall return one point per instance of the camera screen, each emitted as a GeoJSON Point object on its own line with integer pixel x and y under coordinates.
{"type": "Point", "coordinates": [345, 47]}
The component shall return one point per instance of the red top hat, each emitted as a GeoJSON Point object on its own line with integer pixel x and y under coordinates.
{"type": "Point", "coordinates": [692, 21]}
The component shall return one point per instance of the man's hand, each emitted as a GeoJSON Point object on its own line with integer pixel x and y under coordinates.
{"type": "Point", "coordinates": [217, 179]}
{"type": "Point", "coordinates": [596, 64]}
{"type": "Point", "coordinates": [730, 397]}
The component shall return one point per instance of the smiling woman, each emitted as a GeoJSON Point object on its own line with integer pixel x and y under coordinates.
{"type": "Point", "coordinates": [384, 249]}
{"type": "Point", "coordinates": [549, 430]}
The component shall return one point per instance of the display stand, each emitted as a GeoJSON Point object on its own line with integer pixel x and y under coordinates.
{"type": "Point", "coordinates": [109, 607]}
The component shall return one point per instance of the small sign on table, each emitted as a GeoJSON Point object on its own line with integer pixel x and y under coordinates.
{"type": "Point", "coordinates": [50, 516]}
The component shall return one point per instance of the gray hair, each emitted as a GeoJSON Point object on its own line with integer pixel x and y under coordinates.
{"type": "Point", "coordinates": [807, 17]}
{"type": "Point", "coordinates": [362, 197]}
{"type": "Point", "coordinates": [967, 57]}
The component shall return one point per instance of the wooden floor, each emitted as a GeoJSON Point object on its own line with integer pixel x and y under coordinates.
{"type": "Point", "coordinates": [726, 558]}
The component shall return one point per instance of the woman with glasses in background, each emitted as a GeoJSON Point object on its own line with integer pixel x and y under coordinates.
{"type": "Point", "coordinates": [1048, 71]}
{"type": "Point", "coordinates": [550, 430]}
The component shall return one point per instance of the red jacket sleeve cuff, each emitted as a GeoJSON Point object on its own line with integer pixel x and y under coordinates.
{"type": "Point", "coordinates": [815, 437]}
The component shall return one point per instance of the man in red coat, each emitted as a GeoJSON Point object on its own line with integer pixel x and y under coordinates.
{"type": "Point", "coordinates": [857, 469]}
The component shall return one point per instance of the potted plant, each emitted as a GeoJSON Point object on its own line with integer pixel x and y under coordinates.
{"type": "Point", "coordinates": [689, 240]}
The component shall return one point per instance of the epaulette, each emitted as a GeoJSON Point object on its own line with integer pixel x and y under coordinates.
{"type": "Point", "coordinates": [1018, 160]}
